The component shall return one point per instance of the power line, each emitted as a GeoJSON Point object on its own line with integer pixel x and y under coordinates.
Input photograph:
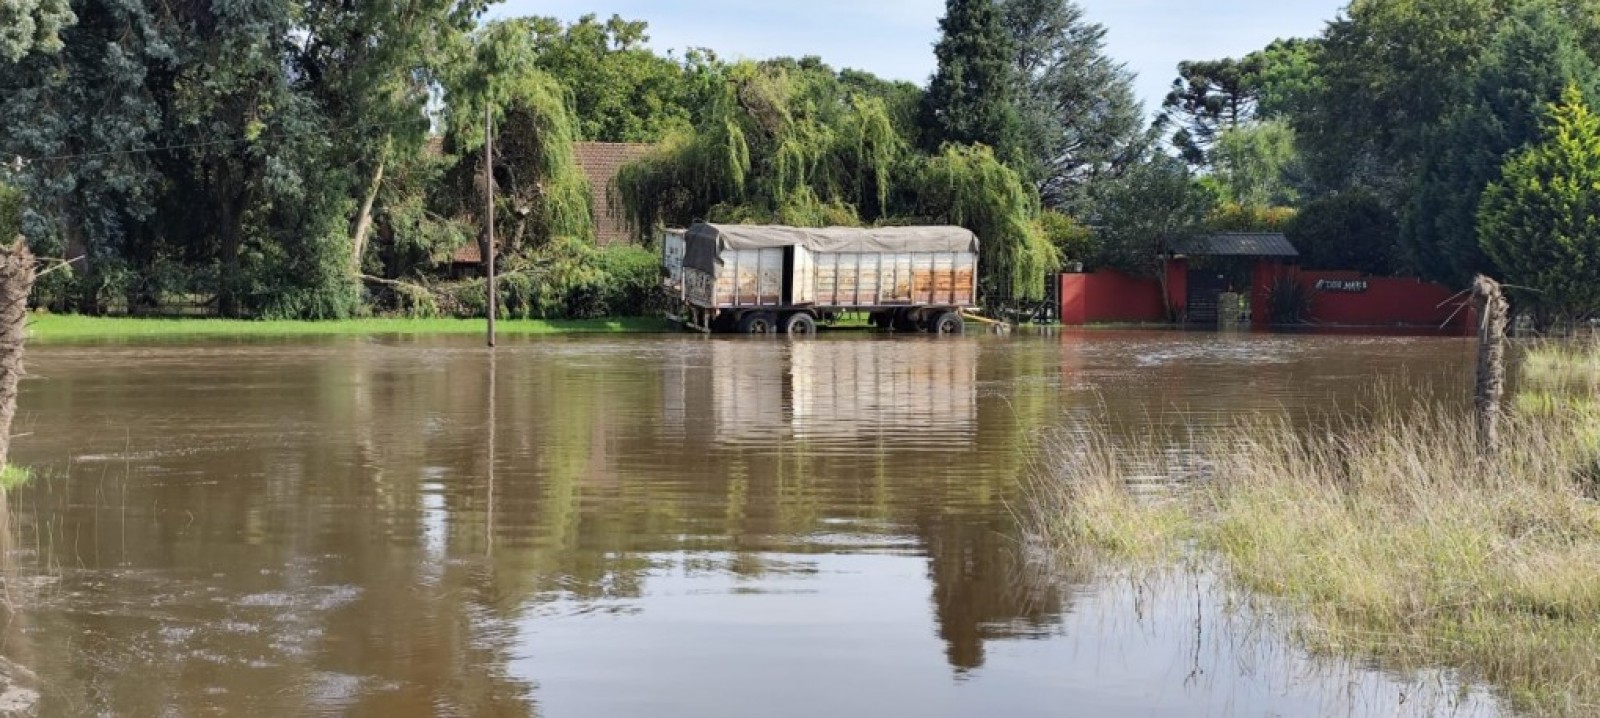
{"type": "Point", "coordinates": [230, 141]}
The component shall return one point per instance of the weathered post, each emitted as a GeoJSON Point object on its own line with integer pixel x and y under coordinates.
{"type": "Point", "coordinates": [488, 194]}
{"type": "Point", "coordinates": [1493, 317]}
{"type": "Point", "coordinates": [16, 283]}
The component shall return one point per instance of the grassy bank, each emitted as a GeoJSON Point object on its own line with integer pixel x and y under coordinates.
{"type": "Point", "coordinates": [1398, 540]}
{"type": "Point", "coordinates": [51, 328]}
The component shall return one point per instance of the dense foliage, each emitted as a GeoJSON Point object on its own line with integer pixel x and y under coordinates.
{"type": "Point", "coordinates": [1080, 122]}
{"type": "Point", "coordinates": [28, 26]}
{"type": "Point", "coordinates": [1386, 130]}
{"type": "Point", "coordinates": [10, 213]}
{"type": "Point", "coordinates": [1351, 231]}
{"type": "Point", "coordinates": [972, 98]}
{"type": "Point", "coordinates": [1541, 221]}
{"type": "Point", "coordinates": [305, 159]}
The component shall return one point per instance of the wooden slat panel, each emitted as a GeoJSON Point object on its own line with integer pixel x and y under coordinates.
{"type": "Point", "coordinates": [922, 278]}
{"type": "Point", "coordinates": [966, 281]}
{"type": "Point", "coordinates": [903, 278]}
{"type": "Point", "coordinates": [827, 270]}
{"type": "Point", "coordinates": [867, 285]}
{"type": "Point", "coordinates": [886, 279]}
{"type": "Point", "coordinates": [769, 279]}
{"type": "Point", "coordinates": [944, 278]}
{"type": "Point", "coordinates": [805, 276]}
{"type": "Point", "coordinates": [747, 286]}
{"type": "Point", "coordinates": [849, 276]}
{"type": "Point", "coordinates": [727, 278]}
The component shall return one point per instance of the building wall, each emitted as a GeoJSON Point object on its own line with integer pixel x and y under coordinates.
{"type": "Point", "coordinates": [1381, 302]}
{"type": "Point", "coordinates": [1387, 301]}
{"type": "Point", "coordinates": [1110, 297]}
{"type": "Point", "coordinates": [1376, 302]}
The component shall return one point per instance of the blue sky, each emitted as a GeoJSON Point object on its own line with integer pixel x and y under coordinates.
{"type": "Point", "coordinates": [894, 38]}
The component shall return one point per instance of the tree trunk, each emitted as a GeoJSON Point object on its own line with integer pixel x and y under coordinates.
{"type": "Point", "coordinates": [358, 243]}
{"type": "Point", "coordinates": [228, 292]}
{"type": "Point", "coordinates": [16, 283]}
{"type": "Point", "coordinates": [231, 210]}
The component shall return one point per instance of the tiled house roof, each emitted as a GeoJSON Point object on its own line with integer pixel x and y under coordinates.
{"type": "Point", "coordinates": [600, 162]}
{"type": "Point", "coordinates": [469, 253]}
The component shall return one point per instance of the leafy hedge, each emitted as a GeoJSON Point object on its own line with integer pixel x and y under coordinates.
{"type": "Point", "coordinates": [589, 283]}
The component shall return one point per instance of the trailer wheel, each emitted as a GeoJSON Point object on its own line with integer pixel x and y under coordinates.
{"type": "Point", "coordinates": [881, 320]}
{"type": "Point", "coordinates": [758, 323]}
{"type": "Point", "coordinates": [799, 324]}
{"type": "Point", "coordinates": [948, 323]}
{"type": "Point", "coordinates": [906, 320]}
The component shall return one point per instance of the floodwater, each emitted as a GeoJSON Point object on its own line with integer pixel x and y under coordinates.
{"type": "Point", "coordinates": [644, 526]}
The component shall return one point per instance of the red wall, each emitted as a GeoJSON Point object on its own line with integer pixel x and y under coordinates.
{"type": "Point", "coordinates": [1109, 296]}
{"type": "Point", "coordinates": [1387, 302]}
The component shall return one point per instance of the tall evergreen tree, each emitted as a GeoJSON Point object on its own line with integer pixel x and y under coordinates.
{"type": "Point", "coordinates": [27, 26]}
{"type": "Point", "coordinates": [1389, 69]}
{"type": "Point", "coordinates": [1539, 221]}
{"type": "Point", "coordinates": [1079, 118]}
{"type": "Point", "coordinates": [103, 94]}
{"type": "Point", "coordinates": [972, 99]}
{"type": "Point", "coordinates": [1533, 56]}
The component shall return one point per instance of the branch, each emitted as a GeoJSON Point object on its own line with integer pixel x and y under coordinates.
{"type": "Point", "coordinates": [56, 264]}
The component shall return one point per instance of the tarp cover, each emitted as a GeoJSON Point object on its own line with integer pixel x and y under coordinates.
{"type": "Point", "coordinates": [706, 242]}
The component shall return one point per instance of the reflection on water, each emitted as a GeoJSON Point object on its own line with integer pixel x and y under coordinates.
{"type": "Point", "coordinates": [640, 526]}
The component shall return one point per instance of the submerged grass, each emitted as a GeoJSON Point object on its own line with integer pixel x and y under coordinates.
{"type": "Point", "coordinates": [66, 327]}
{"type": "Point", "coordinates": [1398, 538]}
{"type": "Point", "coordinates": [14, 476]}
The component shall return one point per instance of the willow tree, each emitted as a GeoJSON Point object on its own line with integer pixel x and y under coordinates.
{"type": "Point", "coordinates": [787, 142]}
{"type": "Point", "coordinates": [784, 141]}
{"type": "Point", "coordinates": [543, 202]}
{"type": "Point", "coordinates": [968, 186]}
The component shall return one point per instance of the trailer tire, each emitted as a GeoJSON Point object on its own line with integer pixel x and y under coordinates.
{"type": "Point", "coordinates": [758, 323]}
{"type": "Point", "coordinates": [948, 323]}
{"type": "Point", "coordinates": [881, 320]}
{"type": "Point", "coordinates": [906, 320]}
{"type": "Point", "coordinates": [799, 324]}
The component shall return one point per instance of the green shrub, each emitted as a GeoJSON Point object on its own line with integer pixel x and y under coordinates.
{"type": "Point", "coordinates": [1289, 301]}
{"type": "Point", "coordinates": [630, 284]}
{"type": "Point", "coordinates": [1071, 238]}
{"type": "Point", "coordinates": [573, 283]}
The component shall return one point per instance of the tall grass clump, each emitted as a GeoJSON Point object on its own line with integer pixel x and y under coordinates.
{"type": "Point", "coordinates": [1557, 364]}
{"type": "Point", "coordinates": [1397, 538]}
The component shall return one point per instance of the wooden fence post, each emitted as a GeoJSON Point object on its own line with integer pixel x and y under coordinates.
{"type": "Point", "coordinates": [16, 283]}
{"type": "Point", "coordinates": [1493, 317]}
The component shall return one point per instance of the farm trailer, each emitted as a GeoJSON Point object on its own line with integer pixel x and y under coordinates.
{"type": "Point", "coordinates": [763, 279]}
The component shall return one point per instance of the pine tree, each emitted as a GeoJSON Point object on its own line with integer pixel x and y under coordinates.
{"type": "Point", "coordinates": [1079, 118]}
{"type": "Point", "coordinates": [972, 97]}
{"type": "Point", "coordinates": [1540, 223]}
{"type": "Point", "coordinates": [1531, 58]}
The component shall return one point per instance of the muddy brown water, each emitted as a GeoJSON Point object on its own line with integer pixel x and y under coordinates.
{"type": "Point", "coordinates": [643, 526]}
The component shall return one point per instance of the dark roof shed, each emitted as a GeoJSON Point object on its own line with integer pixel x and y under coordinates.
{"type": "Point", "coordinates": [1236, 244]}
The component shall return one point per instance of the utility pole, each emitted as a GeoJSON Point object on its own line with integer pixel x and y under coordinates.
{"type": "Point", "coordinates": [488, 193]}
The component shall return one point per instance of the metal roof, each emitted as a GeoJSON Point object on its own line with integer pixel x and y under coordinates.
{"type": "Point", "coordinates": [705, 243]}
{"type": "Point", "coordinates": [1236, 244]}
